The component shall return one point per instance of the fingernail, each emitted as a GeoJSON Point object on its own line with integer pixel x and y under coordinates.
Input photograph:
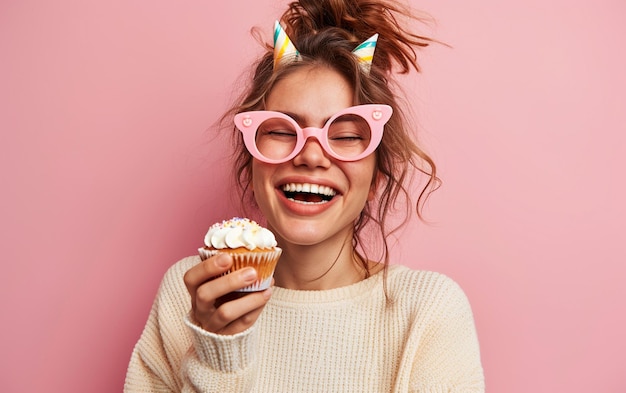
{"type": "Point", "coordinates": [249, 274]}
{"type": "Point", "coordinates": [267, 293]}
{"type": "Point", "coordinates": [222, 260]}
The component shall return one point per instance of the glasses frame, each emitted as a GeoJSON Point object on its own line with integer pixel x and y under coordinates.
{"type": "Point", "coordinates": [376, 116]}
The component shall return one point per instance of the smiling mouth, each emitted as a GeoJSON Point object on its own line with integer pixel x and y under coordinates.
{"type": "Point", "coordinates": [308, 193]}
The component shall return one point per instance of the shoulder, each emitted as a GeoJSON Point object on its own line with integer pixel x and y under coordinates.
{"type": "Point", "coordinates": [403, 276]}
{"type": "Point", "coordinates": [423, 288]}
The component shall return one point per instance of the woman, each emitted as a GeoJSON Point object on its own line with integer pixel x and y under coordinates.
{"type": "Point", "coordinates": [336, 320]}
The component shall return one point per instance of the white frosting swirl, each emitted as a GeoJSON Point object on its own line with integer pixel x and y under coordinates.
{"type": "Point", "coordinates": [239, 232]}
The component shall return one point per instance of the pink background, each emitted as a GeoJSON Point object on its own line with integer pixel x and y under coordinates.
{"type": "Point", "coordinates": [110, 173]}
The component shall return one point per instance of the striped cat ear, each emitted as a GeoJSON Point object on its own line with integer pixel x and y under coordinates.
{"type": "Point", "coordinates": [365, 52]}
{"type": "Point", "coordinates": [284, 50]}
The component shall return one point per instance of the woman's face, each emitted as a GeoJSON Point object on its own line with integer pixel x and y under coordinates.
{"type": "Point", "coordinates": [338, 190]}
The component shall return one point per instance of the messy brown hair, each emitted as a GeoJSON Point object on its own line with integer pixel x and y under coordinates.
{"type": "Point", "coordinates": [325, 32]}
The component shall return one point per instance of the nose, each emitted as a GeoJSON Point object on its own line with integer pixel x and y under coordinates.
{"type": "Point", "coordinates": [312, 155]}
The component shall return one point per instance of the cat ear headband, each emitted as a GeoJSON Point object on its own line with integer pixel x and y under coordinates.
{"type": "Point", "coordinates": [285, 52]}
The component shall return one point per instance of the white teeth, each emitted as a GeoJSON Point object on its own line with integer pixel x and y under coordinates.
{"type": "Point", "coordinates": [309, 188]}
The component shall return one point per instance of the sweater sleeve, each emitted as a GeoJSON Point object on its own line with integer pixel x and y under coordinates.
{"type": "Point", "coordinates": [447, 357]}
{"type": "Point", "coordinates": [230, 360]}
{"type": "Point", "coordinates": [174, 355]}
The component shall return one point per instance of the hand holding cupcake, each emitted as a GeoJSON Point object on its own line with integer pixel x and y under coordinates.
{"type": "Point", "coordinates": [231, 285]}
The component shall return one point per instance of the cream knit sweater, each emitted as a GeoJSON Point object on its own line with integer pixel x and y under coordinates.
{"type": "Point", "coordinates": [347, 339]}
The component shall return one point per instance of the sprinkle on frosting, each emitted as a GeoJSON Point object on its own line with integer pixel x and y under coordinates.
{"type": "Point", "coordinates": [239, 232]}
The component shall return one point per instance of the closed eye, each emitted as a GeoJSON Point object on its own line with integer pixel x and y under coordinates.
{"type": "Point", "coordinates": [281, 133]}
{"type": "Point", "coordinates": [276, 129]}
{"type": "Point", "coordinates": [349, 128]}
{"type": "Point", "coordinates": [347, 138]}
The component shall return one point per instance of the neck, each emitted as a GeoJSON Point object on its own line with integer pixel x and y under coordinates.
{"type": "Point", "coordinates": [327, 265]}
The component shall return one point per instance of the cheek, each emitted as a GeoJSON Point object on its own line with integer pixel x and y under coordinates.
{"type": "Point", "coordinates": [255, 177]}
{"type": "Point", "coordinates": [259, 175]}
{"type": "Point", "coordinates": [363, 176]}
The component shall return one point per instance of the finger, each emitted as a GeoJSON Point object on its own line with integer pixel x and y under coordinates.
{"type": "Point", "coordinates": [229, 297]}
{"type": "Point", "coordinates": [241, 324]}
{"type": "Point", "coordinates": [207, 293]}
{"type": "Point", "coordinates": [205, 271]}
{"type": "Point", "coordinates": [240, 314]}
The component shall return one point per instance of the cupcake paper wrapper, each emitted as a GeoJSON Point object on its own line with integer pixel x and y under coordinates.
{"type": "Point", "coordinates": [263, 262]}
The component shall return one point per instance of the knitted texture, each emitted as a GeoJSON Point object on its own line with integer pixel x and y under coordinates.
{"type": "Point", "coordinates": [349, 339]}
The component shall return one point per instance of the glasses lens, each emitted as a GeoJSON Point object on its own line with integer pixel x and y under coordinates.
{"type": "Point", "coordinates": [276, 138]}
{"type": "Point", "coordinates": [349, 135]}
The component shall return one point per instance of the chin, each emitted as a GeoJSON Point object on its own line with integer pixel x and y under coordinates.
{"type": "Point", "coordinates": [309, 231]}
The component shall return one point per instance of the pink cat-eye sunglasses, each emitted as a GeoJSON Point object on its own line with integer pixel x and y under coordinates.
{"type": "Point", "coordinates": [349, 135]}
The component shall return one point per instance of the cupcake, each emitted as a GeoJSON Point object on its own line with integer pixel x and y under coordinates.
{"type": "Point", "coordinates": [249, 244]}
